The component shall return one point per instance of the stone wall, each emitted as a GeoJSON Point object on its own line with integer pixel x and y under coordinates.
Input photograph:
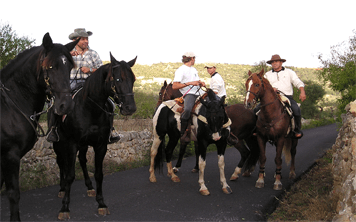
{"type": "Point", "coordinates": [132, 146]}
{"type": "Point", "coordinates": [344, 167]}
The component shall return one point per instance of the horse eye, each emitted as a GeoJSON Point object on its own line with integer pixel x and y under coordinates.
{"type": "Point", "coordinates": [118, 80]}
{"type": "Point", "coordinates": [257, 85]}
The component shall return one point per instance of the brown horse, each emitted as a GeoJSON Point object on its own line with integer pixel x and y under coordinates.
{"type": "Point", "coordinates": [272, 125]}
{"type": "Point", "coordinates": [243, 124]}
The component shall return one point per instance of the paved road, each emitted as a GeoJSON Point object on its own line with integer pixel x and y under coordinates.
{"type": "Point", "coordinates": [131, 197]}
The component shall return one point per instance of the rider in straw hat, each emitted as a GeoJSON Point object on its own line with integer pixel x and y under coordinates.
{"type": "Point", "coordinates": [283, 80]}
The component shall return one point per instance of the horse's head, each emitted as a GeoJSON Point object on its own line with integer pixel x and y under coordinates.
{"type": "Point", "coordinates": [122, 80]}
{"type": "Point", "coordinates": [55, 64]}
{"type": "Point", "coordinates": [254, 89]}
{"type": "Point", "coordinates": [215, 114]}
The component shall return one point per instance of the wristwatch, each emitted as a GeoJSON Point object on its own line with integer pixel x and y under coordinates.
{"type": "Point", "coordinates": [90, 70]}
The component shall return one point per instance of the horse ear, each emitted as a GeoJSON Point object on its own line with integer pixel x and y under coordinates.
{"type": "Point", "coordinates": [165, 83]}
{"type": "Point", "coordinates": [132, 62]}
{"type": "Point", "coordinates": [222, 100]}
{"type": "Point", "coordinates": [112, 58]}
{"type": "Point", "coordinates": [70, 46]}
{"type": "Point", "coordinates": [249, 73]}
{"type": "Point", "coordinates": [47, 42]}
{"type": "Point", "coordinates": [262, 72]}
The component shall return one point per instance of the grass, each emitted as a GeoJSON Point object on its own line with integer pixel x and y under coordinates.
{"type": "Point", "coordinates": [309, 199]}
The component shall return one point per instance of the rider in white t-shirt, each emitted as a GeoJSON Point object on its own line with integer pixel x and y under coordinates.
{"type": "Point", "coordinates": [186, 79]}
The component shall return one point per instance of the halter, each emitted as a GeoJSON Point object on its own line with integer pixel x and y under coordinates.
{"type": "Point", "coordinates": [257, 95]}
{"type": "Point", "coordinates": [113, 88]}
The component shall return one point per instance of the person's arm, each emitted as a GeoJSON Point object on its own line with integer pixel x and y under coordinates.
{"type": "Point", "coordinates": [302, 95]}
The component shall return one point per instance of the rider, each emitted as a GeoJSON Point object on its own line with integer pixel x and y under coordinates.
{"type": "Point", "coordinates": [87, 61]}
{"type": "Point", "coordinates": [283, 79]}
{"type": "Point", "coordinates": [217, 84]}
{"type": "Point", "coordinates": [186, 79]}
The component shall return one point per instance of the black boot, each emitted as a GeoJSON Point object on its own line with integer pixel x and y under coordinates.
{"type": "Point", "coordinates": [298, 126]}
{"type": "Point", "coordinates": [114, 136]}
{"type": "Point", "coordinates": [232, 140]}
{"type": "Point", "coordinates": [184, 132]}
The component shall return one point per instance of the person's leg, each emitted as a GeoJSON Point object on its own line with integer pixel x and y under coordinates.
{"type": "Point", "coordinates": [297, 118]}
{"type": "Point", "coordinates": [114, 136]}
{"type": "Point", "coordinates": [189, 101]}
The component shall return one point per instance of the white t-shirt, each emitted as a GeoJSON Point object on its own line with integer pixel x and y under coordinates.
{"type": "Point", "coordinates": [186, 74]}
{"type": "Point", "coordinates": [217, 84]}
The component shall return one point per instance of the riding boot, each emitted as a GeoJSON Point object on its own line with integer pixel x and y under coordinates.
{"type": "Point", "coordinates": [53, 135]}
{"type": "Point", "coordinates": [298, 125]}
{"type": "Point", "coordinates": [114, 136]}
{"type": "Point", "coordinates": [184, 132]}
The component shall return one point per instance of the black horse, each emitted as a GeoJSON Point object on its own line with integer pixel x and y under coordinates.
{"type": "Point", "coordinates": [89, 125]}
{"type": "Point", "coordinates": [25, 82]}
{"type": "Point", "coordinates": [211, 125]}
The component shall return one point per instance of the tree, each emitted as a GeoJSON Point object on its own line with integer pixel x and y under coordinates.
{"type": "Point", "coordinates": [11, 44]}
{"type": "Point", "coordinates": [340, 71]}
{"type": "Point", "coordinates": [315, 93]}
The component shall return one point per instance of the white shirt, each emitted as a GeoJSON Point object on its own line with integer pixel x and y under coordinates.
{"type": "Point", "coordinates": [186, 74]}
{"type": "Point", "coordinates": [284, 80]}
{"type": "Point", "coordinates": [217, 84]}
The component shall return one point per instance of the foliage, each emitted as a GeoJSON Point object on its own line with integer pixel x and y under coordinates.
{"type": "Point", "coordinates": [315, 92]}
{"type": "Point", "coordinates": [11, 44]}
{"type": "Point", "coordinates": [339, 71]}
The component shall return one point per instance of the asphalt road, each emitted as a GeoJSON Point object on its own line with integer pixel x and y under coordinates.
{"type": "Point", "coordinates": [131, 197]}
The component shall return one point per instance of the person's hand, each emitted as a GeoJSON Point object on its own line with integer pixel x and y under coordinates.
{"type": "Point", "coordinates": [302, 96]}
{"type": "Point", "coordinates": [201, 83]}
{"type": "Point", "coordinates": [85, 69]}
{"type": "Point", "coordinates": [74, 53]}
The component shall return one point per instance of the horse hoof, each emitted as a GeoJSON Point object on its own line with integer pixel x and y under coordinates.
{"type": "Point", "coordinates": [153, 179]}
{"type": "Point", "coordinates": [260, 184]}
{"type": "Point", "coordinates": [103, 211]}
{"type": "Point", "coordinates": [175, 170]}
{"type": "Point", "coordinates": [246, 174]}
{"type": "Point", "coordinates": [205, 192]}
{"type": "Point", "coordinates": [175, 179]}
{"type": "Point", "coordinates": [277, 187]}
{"type": "Point", "coordinates": [61, 194]}
{"type": "Point", "coordinates": [233, 178]}
{"type": "Point", "coordinates": [195, 170]}
{"type": "Point", "coordinates": [227, 190]}
{"type": "Point", "coordinates": [292, 176]}
{"type": "Point", "coordinates": [91, 193]}
{"type": "Point", "coordinates": [63, 216]}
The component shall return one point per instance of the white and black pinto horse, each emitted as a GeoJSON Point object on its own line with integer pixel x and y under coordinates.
{"type": "Point", "coordinates": [210, 124]}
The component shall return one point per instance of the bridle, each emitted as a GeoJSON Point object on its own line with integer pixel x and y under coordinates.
{"type": "Point", "coordinates": [113, 88]}
{"type": "Point", "coordinates": [257, 95]}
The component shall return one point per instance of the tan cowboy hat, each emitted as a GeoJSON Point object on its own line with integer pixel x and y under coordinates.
{"type": "Point", "coordinates": [210, 65]}
{"type": "Point", "coordinates": [275, 58]}
{"type": "Point", "coordinates": [80, 32]}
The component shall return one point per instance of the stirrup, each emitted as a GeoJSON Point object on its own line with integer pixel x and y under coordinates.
{"type": "Point", "coordinates": [53, 135]}
{"type": "Point", "coordinates": [114, 136]}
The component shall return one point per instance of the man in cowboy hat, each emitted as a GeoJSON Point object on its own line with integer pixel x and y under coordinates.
{"type": "Point", "coordinates": [283, 80]}
{"type": "Point", "coordinates": [87, 61]}
{"type": "Point", "coordinates": [186, 79]}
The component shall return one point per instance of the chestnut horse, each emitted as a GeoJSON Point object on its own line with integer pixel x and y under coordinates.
{"type": "Point", "coordinates": [243, 125]}
{"type": "Point", "coordinates": [272, 125]}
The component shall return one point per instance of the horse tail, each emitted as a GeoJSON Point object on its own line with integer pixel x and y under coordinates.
{"type": "Point", "coordinates": [286, 150]}
{"type": "Point", "coordinates": [159, 157]}
{"type": "Point", "coordinates": [254, 156]}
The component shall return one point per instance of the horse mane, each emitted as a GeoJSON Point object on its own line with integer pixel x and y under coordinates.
{"type": "Point", "coordinates": [93, 79]}
{"type": "Point", "coordinates": [124, 65]}
{"type": "Point", "coordinates": [51, 59]}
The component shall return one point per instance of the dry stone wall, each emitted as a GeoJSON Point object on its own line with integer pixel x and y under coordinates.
{"type": "Point", "coordinates": [132, 146]}
{"type": "Point", "coordinates": [344, 167]}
